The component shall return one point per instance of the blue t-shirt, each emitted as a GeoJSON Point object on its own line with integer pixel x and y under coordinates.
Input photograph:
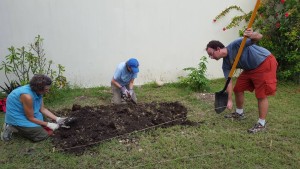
{"type": "Point", "coordinates": [15, 114]}
{"type": "Point", "coordinates": [122, 75]}
{"type": "Point", "coordinates": [251, 57]}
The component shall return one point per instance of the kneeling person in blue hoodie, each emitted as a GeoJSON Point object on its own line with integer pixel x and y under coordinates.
{"type": "Point", "coordinates": [122, 81]}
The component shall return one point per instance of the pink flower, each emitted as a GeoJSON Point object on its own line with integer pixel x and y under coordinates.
{"type": "Point", "coordinates": [277, 25]}
{"type": "Point", "coordinates": [261, 15]}
{"type": "Point", "coordinates": [282, 1]}
{"type": "Point", "coordinates": [286, 14]}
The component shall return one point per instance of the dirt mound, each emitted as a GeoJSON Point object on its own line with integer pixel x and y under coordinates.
{"type": "Point", "coordinates": [93, 125]}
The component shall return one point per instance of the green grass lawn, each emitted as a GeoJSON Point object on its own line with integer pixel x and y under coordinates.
{"type": "Point", "coordinates": [215, 143]}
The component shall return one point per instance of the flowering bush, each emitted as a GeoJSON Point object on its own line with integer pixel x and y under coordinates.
{"type": "Point", "coordinates": [235, 20]}
{"type": "Point", "coordinates": [279, 22]}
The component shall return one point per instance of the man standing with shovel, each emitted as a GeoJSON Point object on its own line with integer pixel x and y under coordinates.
{"type": "Point", "coordinates": [259, 74]}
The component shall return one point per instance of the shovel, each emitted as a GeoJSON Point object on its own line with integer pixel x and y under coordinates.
{"type": "Point", "coordinates": [68, 122]}
{"type": "Point", "coordinates": [221, 97]}
{"type": "Point", "coordinates": [128, 98]}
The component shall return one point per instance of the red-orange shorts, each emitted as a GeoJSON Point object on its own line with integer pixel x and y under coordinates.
{"type": "Point", "coordinates": [262, 79]}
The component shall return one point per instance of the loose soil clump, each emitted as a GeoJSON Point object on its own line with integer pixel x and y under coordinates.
{"type": "Point", "coordinates": [93, 125]}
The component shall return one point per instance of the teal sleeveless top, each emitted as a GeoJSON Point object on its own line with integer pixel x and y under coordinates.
{"type": "Point", "coordinates": [15, 114]}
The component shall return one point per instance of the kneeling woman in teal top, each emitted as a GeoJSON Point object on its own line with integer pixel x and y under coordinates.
{"type": "Point", "coordinates": [25, 110]}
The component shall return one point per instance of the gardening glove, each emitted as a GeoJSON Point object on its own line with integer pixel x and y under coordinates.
{"type": "Point", "coordinates": [124, 91]}
{"type": "Point", "coordinates": [60, 120]}
{"type": "Point", "coordinates": [53, 126]}
{"type": "Point", "coordinates": [131, 92]}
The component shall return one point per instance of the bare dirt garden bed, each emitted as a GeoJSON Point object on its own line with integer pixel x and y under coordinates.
{"type": "Point", "coordinates": [100, 123]}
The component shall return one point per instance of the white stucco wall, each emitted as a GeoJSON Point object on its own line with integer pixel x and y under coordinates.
{"type": "Point", "coordinates": [91, 37]}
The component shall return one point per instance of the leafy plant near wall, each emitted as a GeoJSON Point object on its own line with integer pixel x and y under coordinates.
{"type": "Point", "coordinates": [10, 87]}
{"type": "Point", "coordinates": [196, 79]}
{"type": "Point", "coordinates": [21, 64]}
{"type": "Point", "coordinates": [235, 20]}
{"type": "Point", "coordinates": [279, 22]}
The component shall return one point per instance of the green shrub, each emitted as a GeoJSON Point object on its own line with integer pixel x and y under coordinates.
{"type": "Point", "coordinates": [10, 87]}
{"type": "Point", "coordinates": [21, 64]}
{"type": "Point", "coordinates": [196, 79]}
{"type": "Point", "coordinates": [279, 22]}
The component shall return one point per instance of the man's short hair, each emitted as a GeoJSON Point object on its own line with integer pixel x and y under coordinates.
{"type": "Point", "coordinates": [214, 44]}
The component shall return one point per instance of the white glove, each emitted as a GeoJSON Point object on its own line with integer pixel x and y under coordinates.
{"type": "Point", "coordinates": [60, 120]}
{"type": "Point", "coordinates": [131, 92]}
{"type": "Point", "coordinates": [124, 91]}
{"type": "Point", "coordinates": [53, 126]}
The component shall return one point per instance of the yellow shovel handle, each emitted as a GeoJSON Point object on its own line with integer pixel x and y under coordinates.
{"type": "Point", "coordinates": [237, 58]}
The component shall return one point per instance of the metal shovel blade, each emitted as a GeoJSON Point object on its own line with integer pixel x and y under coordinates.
{"type": "Point", "coordinates": [221, 99]}
{"type": "Point", "coordinates": [68, 122]}
{"type": "Point", "coordinates": [133, 101]}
